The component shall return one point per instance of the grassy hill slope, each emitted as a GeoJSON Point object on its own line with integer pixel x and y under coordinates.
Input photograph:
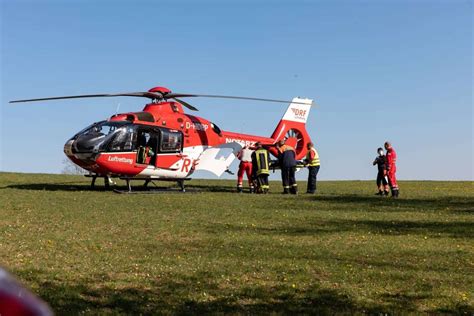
{"type": "Point", "coordinates": [342, 251]}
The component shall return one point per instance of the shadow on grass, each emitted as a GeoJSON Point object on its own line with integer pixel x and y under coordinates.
{"type": "Point", "coordinates": [433, 229]}
{"type": "Point", "coordinates": [202, 294]}
{"type": "Point", "coordinates": [136, 185]}
{"type": "Point", "coordinates": [64, 186]}
{"type": "Point", "coordinates": [214, 188]}
{"type": "Point", "coordinates": [463, 205]}
{"type": "Point", "coordinates": [74, 186]}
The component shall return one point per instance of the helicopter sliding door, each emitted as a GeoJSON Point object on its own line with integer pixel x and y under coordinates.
{"type": "Point", "coordinates": [161, 148]}
{"type": "Point", "coordinates": [170, 149]}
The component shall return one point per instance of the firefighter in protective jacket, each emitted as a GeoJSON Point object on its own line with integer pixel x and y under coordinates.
{"type": "Point", "coordinates": [261, 169]}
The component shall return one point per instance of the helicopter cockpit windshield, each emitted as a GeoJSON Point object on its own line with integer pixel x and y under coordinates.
{"type": "Point", "coordinates": [105, 136]}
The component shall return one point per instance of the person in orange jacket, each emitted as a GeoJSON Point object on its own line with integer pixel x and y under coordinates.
{"type": "Point", "coordinates": [287, 160]}
{"type": "Point", "coordinates": [392, 169]}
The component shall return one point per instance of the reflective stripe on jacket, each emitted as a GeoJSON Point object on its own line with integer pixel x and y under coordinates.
{"type": "Point", "coordinates": [312, 161]}
{"type": "Point", "coordinates": [260, 163]}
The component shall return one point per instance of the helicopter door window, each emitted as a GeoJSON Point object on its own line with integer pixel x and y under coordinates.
{"type": "Point", "coordinates": [171, 141]}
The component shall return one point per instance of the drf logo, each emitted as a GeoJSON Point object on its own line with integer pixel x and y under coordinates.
{"type": "Point", "coordinates": [188, 165]}
{"type": "Point", "coordinates": [299, 113]}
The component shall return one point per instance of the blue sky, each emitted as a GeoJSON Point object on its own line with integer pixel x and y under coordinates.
{"type": "Point", "coordinates": [378, 70]}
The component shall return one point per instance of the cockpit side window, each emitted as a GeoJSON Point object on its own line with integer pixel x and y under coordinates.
{"type": "Point", "coordinates": [171, 141]}
{"type": "Point", "coordinates": [125, 139]}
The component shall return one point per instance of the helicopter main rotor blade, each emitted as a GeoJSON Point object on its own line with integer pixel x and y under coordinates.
{"type": "Point", "coordinates": [157, 96]}
{"type": "Point", "coordinates": [189, 106]}
{"type": "Point", "coordinates": [150, 95]}
{"type": "Point", "coordinates": [186, 95]}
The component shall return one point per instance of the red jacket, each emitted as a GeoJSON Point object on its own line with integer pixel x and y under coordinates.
{"type": "Point", "coordinates": [391, 158]}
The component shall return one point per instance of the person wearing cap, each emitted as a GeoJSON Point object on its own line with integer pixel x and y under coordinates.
{"type": "Point", "coordinates": [382, 181]}
{"type": "Point", "coordinates": [245, 166]}
{"type": "Point", "coordinates": [313, 163]}
{"type": "Point", "coordinates": [261, 169]}
{"type": "Point", "coordinates": [287, 160]}
{"type": "Point", "coordinates": [392, 169]}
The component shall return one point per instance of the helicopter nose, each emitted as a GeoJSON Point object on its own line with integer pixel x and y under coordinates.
{"type": "Point", "coordinates": [68, 147]}
{"type": "Point", "coordinates": [86, 143]}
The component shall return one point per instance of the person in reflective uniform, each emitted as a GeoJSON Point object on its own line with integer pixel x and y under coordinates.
{"type": "Point", "coordinates": [287, 160]}
{"type": "Point", "coordinates": [261, 169]}
{"type": "Point", "coordinates": [392, 168]}
{"type": "Point", "coordinates": [245, 166]}
{"type": "Point", "coordinates": [313, 163]}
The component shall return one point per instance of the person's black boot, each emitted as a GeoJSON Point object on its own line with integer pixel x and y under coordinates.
{"type": "Point", "coordinates": [397, 192]}
{"type": "Point", "coordinates": [286, 191]}
{"type": "Point", "coordinates": [379, 193]}
{"type": "Point", "coordinates": [385, 192]}
{"type": "Point", "coordinates": [239, 189]}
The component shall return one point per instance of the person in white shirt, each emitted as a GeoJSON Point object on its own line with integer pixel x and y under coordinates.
{"type": "Point", "coordinates": [245, 166]}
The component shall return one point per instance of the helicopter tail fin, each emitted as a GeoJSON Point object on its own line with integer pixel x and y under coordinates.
{"type": "Point", "coordinates": [292, 126]}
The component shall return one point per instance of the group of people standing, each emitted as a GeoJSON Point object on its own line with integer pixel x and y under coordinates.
{"type": "Point", "coordinates": [386, 176]}
{"type": "Point", "coordinates": [256, 164]}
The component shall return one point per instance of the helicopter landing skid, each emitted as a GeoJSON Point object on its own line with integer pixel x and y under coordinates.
{"type": "Point", "coordinates": [107, 181]}
{"type": "Point", "coordinates": [155, 191]}
{"type": "Point", "coordinates": [146, 190]}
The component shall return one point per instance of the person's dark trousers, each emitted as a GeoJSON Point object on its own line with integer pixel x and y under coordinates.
{"type": "Point", "coordinates": [263, 180]}
{"type": "Point", "coordinates": [285, 178]}
{"type": "Point", "coordinates": [263, 183]}
{"type": "Point", "coordinates": [292, 179]}
{"type": "Point", "coordinates": [312, 175]}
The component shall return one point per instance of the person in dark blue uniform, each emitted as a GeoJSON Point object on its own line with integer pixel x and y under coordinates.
{"type": "Point", "coordinates": [287, 160]}
{"type": "Point", "coordinates": [382, 181]}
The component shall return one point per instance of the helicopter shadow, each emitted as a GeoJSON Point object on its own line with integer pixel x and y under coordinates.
{"type": "Point", "coordinates": [212, 188]}
{"type": "Point", "coordinates": [74, 186]}
{"type": "Point", "coordinates": [64, 186]}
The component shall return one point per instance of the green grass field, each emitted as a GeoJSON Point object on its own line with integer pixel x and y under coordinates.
{"type": "Point", "coordinates": [343, 251]}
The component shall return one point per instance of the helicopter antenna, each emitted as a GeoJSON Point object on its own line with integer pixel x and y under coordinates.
{"type": "Point", "coordinates": [118, 107]}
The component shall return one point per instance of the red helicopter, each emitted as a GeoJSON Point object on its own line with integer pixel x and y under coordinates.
{"type": "Point", "coordinates": [162, 142]}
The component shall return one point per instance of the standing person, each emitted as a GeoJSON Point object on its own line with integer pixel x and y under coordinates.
{"type": "Point", "coordinates": [382, 182]}
{"type": "Point", "coordinates": [245, 166]}
{"type": "Point", "coordinates": [287, 160]}
{"type": "Point", "coordinates": [392, 168]}
{"type": "Point", "coordinates": [313, 163]}
{"type": "Point", "coordinates": [261, 169]}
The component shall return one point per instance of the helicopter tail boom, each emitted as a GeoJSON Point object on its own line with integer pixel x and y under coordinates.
{"type": "Point", "coordinates": [292, 126]}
